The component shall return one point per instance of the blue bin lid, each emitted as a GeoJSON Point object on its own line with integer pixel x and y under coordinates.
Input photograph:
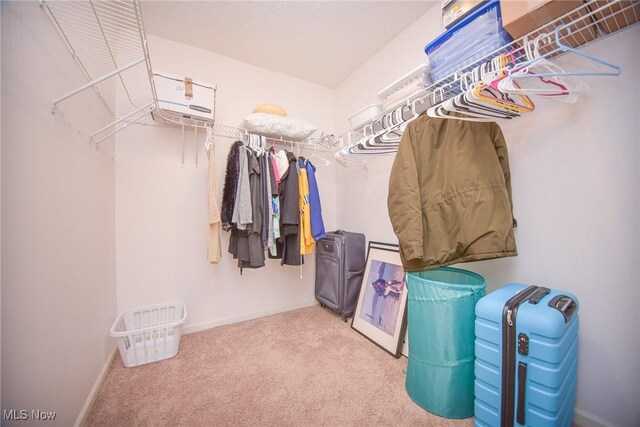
{"type": "Point", "coordinates": [491, 4]}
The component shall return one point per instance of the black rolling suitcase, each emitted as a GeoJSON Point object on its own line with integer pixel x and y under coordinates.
{"type": "Point", "coordinates": [340, 261]}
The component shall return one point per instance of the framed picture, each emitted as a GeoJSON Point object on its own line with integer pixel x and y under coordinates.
{"type": "Point", "coordinates": [381, 307]}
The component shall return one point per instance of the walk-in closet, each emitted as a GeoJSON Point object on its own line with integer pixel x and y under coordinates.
{"type": "Point", "coordinates": [320, 213]}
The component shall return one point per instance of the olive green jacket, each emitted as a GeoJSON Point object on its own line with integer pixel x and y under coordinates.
{"type": "Point", "coordinates": [450, 194]}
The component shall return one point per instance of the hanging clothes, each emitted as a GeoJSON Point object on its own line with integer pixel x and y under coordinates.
{"type": "Point", "coordinates": [274, 227]}
{"type": "Point", "coordinates": [317, 224]}
{"type": "Point", "coordinates": [306, 238]}
{"type": "Point", "coordinates": [250, 249]}
{"type": "Point", "coordinates": [281, 165]}
{"type": "Point", "coordinates": [242, 213]}
{"type": "Point", "coordinates": [230, 185]}
{"type": "Point", "coordinates": [269, 210]}
{"type": "Point", "coordinates": [282, 162]}
{"type": "Point", "coordinates": [275, 206]}
{"type": "Point", "coordinates": [215, 248]}
{"type": "Point", "coordinates": [265, 193]}
{"type": "Point", "coordinates": [290, 214]}
{"type": "Point", "coordinates": [450, 194]}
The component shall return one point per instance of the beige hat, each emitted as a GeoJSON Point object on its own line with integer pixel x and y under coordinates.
{"type": "Point", "coordinates": [270, 109]}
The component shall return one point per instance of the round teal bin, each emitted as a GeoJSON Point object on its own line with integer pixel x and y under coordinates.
{"type": "Point", "coordinates": [441, 323]}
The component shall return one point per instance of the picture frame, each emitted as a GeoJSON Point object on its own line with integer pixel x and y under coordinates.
{"type": "Point", "coordinates": [381, 309]}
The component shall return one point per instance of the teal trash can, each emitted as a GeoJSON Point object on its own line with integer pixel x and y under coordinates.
{"type": "Point", "coordinates": [441, 322]}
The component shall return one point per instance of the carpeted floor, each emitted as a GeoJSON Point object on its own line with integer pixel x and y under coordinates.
{"type": "Point", "coordinates": [301, 368]}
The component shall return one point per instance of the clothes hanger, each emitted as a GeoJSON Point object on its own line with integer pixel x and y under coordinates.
{"type": "Point", "coordinates": [314, 156]}
{"type": "Point", "coordinates": [468, 104]}
{"type": "Point", "coordinates": [487, 95]}
{"type": "Point", "coordinates": [209, 144]}
{"type": "Point", "coordinates": [367, 144]}
{"type": "Point", "coordinates": [464, 106]}
{"type": "Point", "coordinates": [394, 124]}
{"type": "Point", "coordinates": [557, 88]}
{"type": "Point", "coordinates": [372, 142]}
{"type": "Point", "coordinates": [514, 102]}
{"type": "Point", "coordinates": [610, 69]}
{"type": "Point", "coordinates": [561, 88]}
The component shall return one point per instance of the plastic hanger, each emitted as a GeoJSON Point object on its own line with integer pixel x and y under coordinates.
{"type": "Point", "coordinates": [514, 102]}
{"type": "Point", "coordinates": [209, 144]}
{"type": "Point", "coordinates": [556, 88]}
{"type": "Point", "coordinates": [466, 106]}
{"type": "Point", "coordinates": [321, 160]}
{"type": "Point", "coordinates": [373, 141]}
{"type": "Point", "coordinates": [612, 69]}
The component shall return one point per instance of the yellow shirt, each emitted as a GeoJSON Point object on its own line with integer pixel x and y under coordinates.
{"type": "Point", "coordinates": [306, 238]}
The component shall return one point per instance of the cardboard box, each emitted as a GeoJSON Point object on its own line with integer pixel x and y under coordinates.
{"type": "Point", "coordinates": [613, 18]}
{"type": "Point", "coordinates": [521, 17]}
{"type": "Point", "coordinates": [182, 97]}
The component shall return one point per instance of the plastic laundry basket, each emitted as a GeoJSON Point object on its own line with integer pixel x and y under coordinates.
{"type": "Point", "coordinates": [149, 334]}
{"type": "Point", "coordinates": [441, 316]}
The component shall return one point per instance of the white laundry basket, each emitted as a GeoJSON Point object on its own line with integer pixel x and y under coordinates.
{"type": "Point", "coordinates": [149, 334]}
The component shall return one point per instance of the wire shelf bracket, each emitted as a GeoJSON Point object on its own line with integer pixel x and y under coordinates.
{"type": "Point", "coordinates": [107, 40]}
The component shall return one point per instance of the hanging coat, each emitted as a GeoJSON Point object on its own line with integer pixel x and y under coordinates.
{"type": "Point", "coordinates": [215, 249]}
{"type": "Point", "coordinates": [317, 224]}
{"type": "Point", "coordinates": [242, 214]}
{"type": "Point", "coordinates": [290, 214]}
{"type": "Point", "coordinates": [250, 250]}
{"type": "Point", "coordinates": [450, 194]}
{"type": "Point", "coordinates": [230, 185]}
{"type": "Point", "coordinates": [306, 238]}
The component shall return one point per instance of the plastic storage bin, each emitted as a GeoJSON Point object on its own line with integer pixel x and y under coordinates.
{"type": "Point", "coordinates": [474, 37]}
{"type": "Point", "coordinates": [365, 115]}
{"type": "Point", "coordinates": [441, 323]}
{"type": "Point", "coordinates": [149, 334]}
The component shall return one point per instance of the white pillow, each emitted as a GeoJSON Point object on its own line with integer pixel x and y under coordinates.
{"type": "Point", "coordinates": [273, 125]}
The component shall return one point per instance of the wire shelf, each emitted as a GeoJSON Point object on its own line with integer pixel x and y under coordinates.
{"type": "Point", "coordinates": [107, 40]}
{"type": "Point", "coordinates": [580, 27]}
{"type": "Point", "coordinates": [325, 142]}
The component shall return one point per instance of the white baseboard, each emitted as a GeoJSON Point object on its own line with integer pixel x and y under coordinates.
{"type": "Point", "coordinates": [228, 320]}
{"type": "Point", "coordinates": [583, 418]}
{"type": "Point", "coordinates": [88, 403]}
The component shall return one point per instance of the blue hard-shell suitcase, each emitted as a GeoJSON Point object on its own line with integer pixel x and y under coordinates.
{"type": "Point", "coordinates": [526, 357]}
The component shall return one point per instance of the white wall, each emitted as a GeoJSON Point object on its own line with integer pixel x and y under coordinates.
{"type": "Point", "coordinates": [576, 189]}
{"type": "Point", "coordinates": [58, 237]}
{"type": "Point", "coordinates": [161, 206]}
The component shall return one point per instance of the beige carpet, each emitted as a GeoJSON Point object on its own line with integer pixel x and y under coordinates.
{"type": "Point", "coordinates": [301, 368]}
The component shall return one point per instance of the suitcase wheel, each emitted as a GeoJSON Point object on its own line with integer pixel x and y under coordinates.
{"type": "Point", "coordinates": [344, 318]}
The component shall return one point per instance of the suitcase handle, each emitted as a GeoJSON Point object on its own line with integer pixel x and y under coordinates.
{"type": "Point", "coordinates": [565, 305]}
{"type": "Point", "coordinates": [538, 295]}
{"type": "Point", "coordinates": [522, 389]}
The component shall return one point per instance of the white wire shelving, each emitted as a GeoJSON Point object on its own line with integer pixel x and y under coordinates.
{"type": "Point", "coordinates": [107, 40]}
{"type": "Point", "coordinates": [565, 35]}
{"type": "Point", "coordinates": [325, 142]}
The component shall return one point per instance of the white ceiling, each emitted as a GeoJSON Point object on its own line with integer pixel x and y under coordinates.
{"type": "Point", "coordinates": [318, 41]}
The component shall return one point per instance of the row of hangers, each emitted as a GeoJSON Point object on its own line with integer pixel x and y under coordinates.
{"type": "Point", "coordinates": [499, 89]}
{"type": "Point", "coordinates": [259, 144]}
